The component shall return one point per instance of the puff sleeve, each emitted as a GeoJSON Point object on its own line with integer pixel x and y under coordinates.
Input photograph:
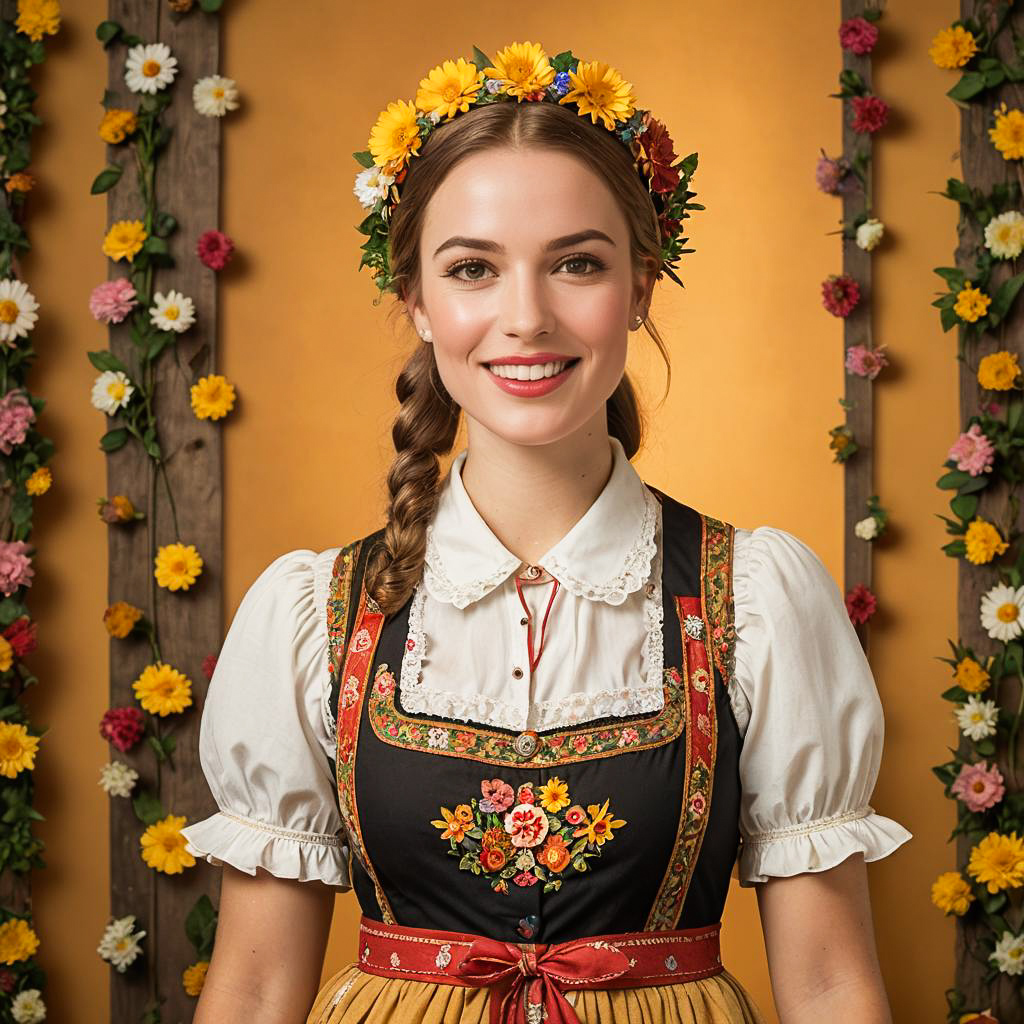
{"type": "Point", "coordinates": [263, 737]}
{"type": "Point", "coordinates": [807, 704]}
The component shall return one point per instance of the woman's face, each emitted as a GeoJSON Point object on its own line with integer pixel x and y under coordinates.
{"type": "Point", "coordinates": [525, 263]}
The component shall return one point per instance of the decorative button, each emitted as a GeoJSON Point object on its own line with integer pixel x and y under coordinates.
{"type": "Point", "coordinates": [670, 962]}
{"type": "Point", "coordinates": [528, 926]}
{"type": "Point", "coordinates": [649, 590]}
{"type": "Point", "coordinates": [523, 621]}
{"type": "Point", "coordinates": [694, 626]}
{"type": "Point", "coordinates": [531, 572]}
{"type": "Point", "coordinates": [525, 744]}
{"type": "Point", "coordinates": [518, 673]}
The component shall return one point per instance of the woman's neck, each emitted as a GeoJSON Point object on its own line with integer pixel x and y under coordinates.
{"type": "Point", "coordinates": [532, 495]}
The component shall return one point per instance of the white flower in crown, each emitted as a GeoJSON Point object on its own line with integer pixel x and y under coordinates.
{"type": "Point", "coordinates": [371, 185]}
{"type": "Point", "coordinates": [149, 68]}
{"type": "Point", "coordinates": [694, 626]}
{"type": "Point", "coordinates": [214, 96]}
{"type": "Point", "coordinates": [118, 778]}
{"type": "Point", "coordinates": [172, 312]}
{"type": "Point", "coordinates": [361, 641]}
{"type": "Point", "coordinates": [28, 1007]}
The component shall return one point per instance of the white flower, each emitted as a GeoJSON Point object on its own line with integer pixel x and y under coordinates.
{"type": "Point", "coordinates": [977, 718]}
{"type": "Point", "coordinates": [869, 234]}
{"type": "Point", "coordinates": [214, 96]}
{"type": "Point", "coordinates": [1001, 611]}
{"type": "Point", "coordinates": [111, 391]}
{"type": "Point", "coordinates": [1009, 953]}
{"type": "Point", "coordinates": [27, 1007]}
{"type": "Point", "coordinates": [1004, 235]}
{"type": "Point", "coordinates": [866, 529]}
{"type": "Point", "coordinates": [371, 185]}
{"type": "Point", "coordinates": [150, 67]}
{"type": "Point", "coordinates": [437, 737]}
{"type": "Point", "coordinates": [434, 116]}
{"type": "Point", "coordinates": [120, 944]}
{"type": "Point", "coordinates": [17, 310]}
{"type": "Point", "coordinates": [118, 778]}
{"type": "Point", "coordinates": [173, 312]}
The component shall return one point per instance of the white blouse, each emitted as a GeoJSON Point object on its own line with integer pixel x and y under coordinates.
{"type": "Point", "coordinates": [803, 694]}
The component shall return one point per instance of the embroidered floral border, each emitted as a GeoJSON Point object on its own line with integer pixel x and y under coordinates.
{"type": "Point", "coordinates": [717, 582]}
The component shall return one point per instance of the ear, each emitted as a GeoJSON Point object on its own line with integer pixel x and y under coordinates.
{"type": "Point", "coordinates": [419, 319]}
{"type": "Point", "coordinates": [643, 289]}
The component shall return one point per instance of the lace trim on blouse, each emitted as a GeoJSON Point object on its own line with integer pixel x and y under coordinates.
{"type": "Point", "coordinates": [459, 594]}
{"type": "Point", "coordinates": [317, 838]}
{"type": "Point", "coordinates": [813, 826]}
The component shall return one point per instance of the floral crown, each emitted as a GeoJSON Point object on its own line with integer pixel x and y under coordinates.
{"type": "Point", "coordinates": [521, 72]}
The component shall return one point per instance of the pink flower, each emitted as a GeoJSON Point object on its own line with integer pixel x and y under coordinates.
{"type": "Point", "coordinates": [525, 794]}
{"type": "Point", "coordinates": [858, 35]}
{"type": "Point", "coordinates": [833, 175]}
{"type": "Point", "coordinates": [15, 566]}
{"type": "Point", "coordinates": [214, 248]}
{"type": "Point", "coordinates": [575, 815]}
{"type": "Point", "coordinates": [527, 825]}
{"type": "Point", "coordinates": [209, 664]}
{"type": "Point", "coordinates": [498, 796]}
{"type": "Point", "coordinates": [840, 293]}
{"type": "Point", "coordinates": [973, 452]}
{"type": "Point", "coordinates": [16, 416]}
{"type": "Point", "coordinates": [866, 362]}
{"type": "Point", "coordinates": [524, 878]}
{"type": "Point", "coordinates": [979, 786]}
{"type": "Point", "coordinates": [860, 604]}
{"type": "Point", "coordinates": [869, 114]}
{"type": "Point", "coordinates": [697, 803]}
{"type": "Point", "coordinates": [111, 301]}
{"type": "Point", "coordinates": [629, 737]}
{"type": "Point", "coordinates": [123, 727]}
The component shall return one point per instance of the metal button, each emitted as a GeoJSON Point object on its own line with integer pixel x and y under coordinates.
{"type": "Point", "coordinates": [525, 744]}
{"type": "Point", "coordinates": [531, 572]}
{"type": "Point", "coordinates": [528, 926]}
{"type": "Point", "coordinates": [523, 621]}
{"type": "Point", "coordinates": [518, 673]}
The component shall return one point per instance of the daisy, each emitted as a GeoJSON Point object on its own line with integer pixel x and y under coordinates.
{"type": "Point", "coordinates": [1004, 235]}
{"type": "Point", "coordinates": [1002, 609]}
{"type": "Point", "coordinates": [214, 96]}
{"type": "Point", "coordinates": [150, 67]}
{"type": "Point", "coordinates": [120, 943]}
{"type": "Point", "coordinates": [977, 718]}
{"type": "Point", "coordinates": [173, 312]}
{"type": "Point", "coordinates": [111, 391]}
{"type": "Point", "coordinates": [1009, 953]}
{"type": "Point", "coordinates": [371, 185]}
{"type": "Point", "coordinates": [163, 846]}
{"type": "Point", "coordinates": [17, 311]}
{"type": "Point", "coordinates": [601, 92]}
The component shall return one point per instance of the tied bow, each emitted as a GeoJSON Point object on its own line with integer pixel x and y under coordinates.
{"type": "Point", "coordinates": [512, 970]}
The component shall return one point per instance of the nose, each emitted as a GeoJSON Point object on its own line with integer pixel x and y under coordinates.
{"type": "Point", "coordinates": [525, 307]}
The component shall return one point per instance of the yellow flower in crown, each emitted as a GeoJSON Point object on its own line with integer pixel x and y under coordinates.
{"type": "Point", "coordinates": [522, 70]}
{"type": "Point", "coordinates": [395, 137]}
{"type": "Point", "coordinates": [450, 88]}
{"type": "Point", "coordinates": [601, 92]}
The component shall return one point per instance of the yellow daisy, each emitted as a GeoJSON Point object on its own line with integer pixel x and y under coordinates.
{"type": "Point", "coordinates": [395, 137]}
{"type": "Point", "coordinates": [117, 125]}
{"type": "Point", "coordinates": [1008, 134]}
{"type": "Point", "coordinates": [971, 304]}
{"type": "Point", "coordinates": [37, 18]}
{"type": "Point", "coordinates": [971, 676]}
{"type": "Point", "coordinates": [6, 654]}
{"type": "Point", "coordinates": [984, 542]}
{"type": "Point", "coordinates": [998, 862]}
{"type": "Point", "coordinates": [601, 92]}
{"type": "Point", "coordinates": [193, 977]}
{"type": "Point", "coordinates": [39, 482]}
{"type": "Point", "coordinates": [951, 893]}
{"type": "Point", "coordinates": [213, 397]}
{"type": "Point", "coordinates": [952, 48]}
{"type": "Point", "coordinates": [163, 690]}
{"type": "Point", "coordinates": [124, 239]}
{"type": "Point", "coordinates": [177, 566]}
{"type": "Point", "coordinates": [999, 371]}
{"type": "Point", "coordinates": [450, 88]}
{"type": "Point", "coordinates": [120, 618]}
{"type": "Point", "coordinates": [17, 749]}
{"type": "Point", "coordinates": [163, 846]}
{"type": "Point", "coordinates": [17, 941]}
{"type": "Point", "coordinates": [554, 795]}
{"type": "Point", "coordinates": [522, 70]}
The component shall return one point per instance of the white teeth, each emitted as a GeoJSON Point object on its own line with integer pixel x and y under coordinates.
{"type": "Point", "coordinates": [536, 372]}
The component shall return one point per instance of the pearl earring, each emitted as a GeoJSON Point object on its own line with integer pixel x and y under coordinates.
{"type": "Point", "coordinates": [637, 321]}
{"type": "Point", "coordinates": [425, 334]}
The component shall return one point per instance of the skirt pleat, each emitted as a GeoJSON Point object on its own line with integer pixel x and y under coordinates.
{"type": "Point", "coordinates": [353, 997]}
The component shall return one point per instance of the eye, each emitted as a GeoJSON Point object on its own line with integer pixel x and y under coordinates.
{"type": "Point", "coordinates": [453, 271]}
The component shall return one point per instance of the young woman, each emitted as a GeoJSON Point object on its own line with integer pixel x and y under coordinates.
{"type": "Point", "coordinates": [534, 718]}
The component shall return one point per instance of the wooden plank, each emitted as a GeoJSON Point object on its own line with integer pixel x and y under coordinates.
{"type": "Point", "coordinates": [189, 623]}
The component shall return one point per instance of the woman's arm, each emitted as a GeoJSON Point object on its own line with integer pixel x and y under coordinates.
{"type": "Point", "coordinates": [269, 951]}
{"type": "Point", "coordinates": [821, 946]}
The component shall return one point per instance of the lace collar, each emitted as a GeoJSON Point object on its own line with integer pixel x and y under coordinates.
{"type": "Point", "coordinates": [605, 556]}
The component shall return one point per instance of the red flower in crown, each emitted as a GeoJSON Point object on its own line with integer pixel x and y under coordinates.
{"type": "Point", "coordinates": [654, 154]}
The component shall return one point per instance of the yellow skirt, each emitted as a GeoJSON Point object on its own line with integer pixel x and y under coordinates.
{"type": "Point", "coordinates": [354, 997]}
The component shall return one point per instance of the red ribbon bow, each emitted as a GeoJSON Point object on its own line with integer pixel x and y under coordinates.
{"type": "Point", "coordinates": [543, 971]}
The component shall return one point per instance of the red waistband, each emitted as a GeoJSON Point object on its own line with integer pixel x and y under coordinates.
{"type": "Point", "coordinates": [528, 979]}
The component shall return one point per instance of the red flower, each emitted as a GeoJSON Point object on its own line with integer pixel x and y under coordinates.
{"type": "Point", "coordinates": [524, 878]}
{"type": "Point", "coordinates": [655, 155]}
{"type": "Point", "coordinates": [860, 604]}
{"type": "Point", "coordinates": [214, 248]}
{"type": "Point", "coordinates": [21, 634]}
{"type": "Point", "coordinates": [869, 113]}
{"type": "Point", "coordinates": [525, 794]}
{"type": "Point", "coordinates": [840, 293]}
{"type": "Point", "coordinates": [123, 727]}
{"type": "Point", "coordinates": [858, 35]}
{"type": "Point", "coordinates": [209, 664]}
{"type": "Point", "coordinates": [492, 858]}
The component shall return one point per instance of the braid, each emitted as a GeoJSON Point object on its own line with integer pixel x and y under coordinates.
{"type": "Point", "coordinates": [425, 427]}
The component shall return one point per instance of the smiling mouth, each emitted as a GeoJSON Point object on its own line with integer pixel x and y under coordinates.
{"type": "Point", "coordinates": [538, 371]}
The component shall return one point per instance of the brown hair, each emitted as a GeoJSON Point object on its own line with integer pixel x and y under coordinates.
{"type": "Point", "coordinates": [428, 417]}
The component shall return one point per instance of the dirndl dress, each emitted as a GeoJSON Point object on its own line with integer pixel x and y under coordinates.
{"type": "Point", "coordinates": [562, 875]}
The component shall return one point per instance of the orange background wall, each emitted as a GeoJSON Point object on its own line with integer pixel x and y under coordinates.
{"type": "Point", "coordinates": [743, 434]}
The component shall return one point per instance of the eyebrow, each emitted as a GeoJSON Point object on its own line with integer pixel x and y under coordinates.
{"type": "Point", "coordinates": [488, 246]}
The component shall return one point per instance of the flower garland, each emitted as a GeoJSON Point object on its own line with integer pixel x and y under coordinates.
{"type": "Point", "coordinates": [843, 176]}
{"type": "Point", "coordinates": [25, 453]}
{"type": "Point", "coordinates": [985, 892]}
{"type": "Point", "coordinates": [125, 392]}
